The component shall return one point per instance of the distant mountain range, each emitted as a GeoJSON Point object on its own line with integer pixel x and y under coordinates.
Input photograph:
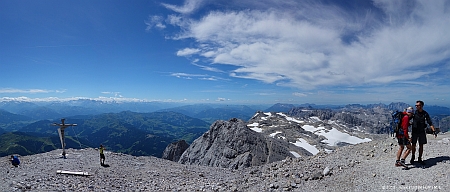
{"type": "Point", "coordinates": [212, 113]}
{"type": "Point", "coordinates": [57, 110]}
{"type": "Point", "coordinates": [147, 128]}
{"type": "Point", "coordinates": [126, 132]}
{"type": "Point", "coordinates": [207, 111]}
{"type": "Point", "coordinates": [52, 110]}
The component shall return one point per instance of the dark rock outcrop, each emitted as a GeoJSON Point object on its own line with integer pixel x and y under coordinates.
{"type": "Point", "coordinates": [174, 150]}
{"type": "Point", "coordinates": [231, 144]}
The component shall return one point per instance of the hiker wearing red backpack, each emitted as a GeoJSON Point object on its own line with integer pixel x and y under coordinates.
{"type": "Point", "coordinates": [403, 138]}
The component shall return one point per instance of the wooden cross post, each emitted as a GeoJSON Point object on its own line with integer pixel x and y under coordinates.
{"type": "Point", "coordinates": [61, 128]}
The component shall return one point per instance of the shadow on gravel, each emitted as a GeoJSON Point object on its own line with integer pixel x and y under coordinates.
{"type": "Point", "coordinates": [433, 161]}
{"type": "Point", "coordinates": [105, 165]}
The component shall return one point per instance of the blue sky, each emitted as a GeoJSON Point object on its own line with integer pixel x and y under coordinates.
{"type": "Point", "coordinates": [228, 51]}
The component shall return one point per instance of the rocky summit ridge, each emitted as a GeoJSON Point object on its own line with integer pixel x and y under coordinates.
{"type": "Point", "coordinates": [266, 138]}
{"type": "Point", "coordinates": [230, 144]}
{"type": "Point", "coordinates": [367, 166]}
{"type": "Point", "coordinates": [303, 151]}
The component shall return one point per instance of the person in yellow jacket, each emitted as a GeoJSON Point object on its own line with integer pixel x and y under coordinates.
{"type": "Point", "coordinates": [102, 155]}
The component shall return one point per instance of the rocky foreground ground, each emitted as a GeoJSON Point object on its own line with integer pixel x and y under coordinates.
{"type": "Point", "coordinates": [362, 167]}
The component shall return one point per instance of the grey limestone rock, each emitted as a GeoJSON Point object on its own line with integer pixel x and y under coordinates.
{"type": "Point", "coordinates": [231, 144]}
{"type": "Point", "coordinates": [174, 150]}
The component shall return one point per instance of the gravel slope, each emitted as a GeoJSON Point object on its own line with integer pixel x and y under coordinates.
{"type": "Point", "coordinates": [362, 167]}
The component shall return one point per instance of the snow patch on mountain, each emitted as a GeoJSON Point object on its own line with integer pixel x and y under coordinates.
{"type": "Point", "coordinates": [273, 134]}
{"type": "Point", "coordinates": [311, 133]}
{"type": "Point", "coordinates": [296, 155]}
{"type": "Point", "coordinates": [254, 127]}
{"type": "Point", "coordinates": [334, 137]}
{"type": "Point", "coordinates": [259, 130]}
{"type": "Point", "coordinates": [305, 145]}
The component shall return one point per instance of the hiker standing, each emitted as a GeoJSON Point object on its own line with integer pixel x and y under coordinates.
{"type": "Point", "coordinates": [420, 120]}
{"type": "Point", "coordinates": [102, 155]}
{"type": "Point", "coordinates": [403, 137]}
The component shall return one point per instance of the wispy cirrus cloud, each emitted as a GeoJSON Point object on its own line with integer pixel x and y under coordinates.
{"type": "Point", "coordinates": [299, 94]}
{"type": "Point", "coordinates": [208, 68]}
{"type": "Point", "coordinates": [187, 75]}
{"type": "Point", "coordinates": [311, 44]}
{"type": "Point", "coordinates": [154, 22]}
{"type": "Point", "coordinates": [187, 51]}
{"type": "Point", "coordinates": [188, 7]}
{"type": "Point", "coordinates": [196, 76]}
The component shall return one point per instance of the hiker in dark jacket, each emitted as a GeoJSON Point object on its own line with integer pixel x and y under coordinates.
{"type": "Point", "coordinates": [403, 138]}
{"type": "Point", "coordinates": [15, 160]}
{"type": "Point", "coordinates": [420, 121]}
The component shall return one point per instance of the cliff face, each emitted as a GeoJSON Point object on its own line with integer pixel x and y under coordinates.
{"type": "Point", "coordinates": [368, 119]}
{"type": "Point", "coordinates": [231, 144]}
{"type": "Point", "coordinates": [174, 150]}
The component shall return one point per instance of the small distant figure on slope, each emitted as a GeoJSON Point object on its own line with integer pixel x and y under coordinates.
{"type": "Point", "coordinates": [403, 138]}
{"type": "Point", "coordinates": [15, 160]}
{"type": "Point", "coordinates": [102, 155]}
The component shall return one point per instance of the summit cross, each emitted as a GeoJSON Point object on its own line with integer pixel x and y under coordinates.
{"type": "Point", "coordinates": [61, 128]}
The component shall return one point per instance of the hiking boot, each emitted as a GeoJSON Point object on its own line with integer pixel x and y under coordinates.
{"type": "Point", "coordinates": [421, 162]}
{"type": "Point", "coordinates": [402, 163]}
{"type": "Point", "coordinates": [412, 159]}
{"type": "Point", "coordinates": [397, 163]}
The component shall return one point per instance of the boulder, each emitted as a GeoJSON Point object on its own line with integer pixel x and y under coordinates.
{"type": "Point", "coordinates": [174, 150]}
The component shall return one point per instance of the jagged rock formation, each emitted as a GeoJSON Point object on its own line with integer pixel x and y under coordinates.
{"type": "Point", "coordinates": [312, 132]}
{"type": "Point", "coordinates": [370, 120]}
{"type": "Point", "coordinates": [268, 137]}
{"type": "Point", "coordinates": [231, 144]}
{"type": "Point", "coordinates": [174, 150]}
{"type": "Point", "coordinates": [444, 124]}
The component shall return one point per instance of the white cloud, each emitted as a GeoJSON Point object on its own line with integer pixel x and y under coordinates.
{"type": "Point", "coordinates": [60, 91]}
{"type": "Point", "coordinates": [222, 99]}
{"type": "Point", "coordinates": [116, 94]}
{"type": "Point", "coordinates": [207, 68]}
{"type": "Point", "coordinates": [187, 51]}
{"type": "Point", "coordinates": [57, 99]}
{"type": "Point", "coordinates": [299, 94]}
{"type": "Point", "coordinates": [186, 75]}
{"type": "Point", "coordinates": [29, 91]}
{"type": "Point", "coordinates": [209, 78]}
{"type": "Point", "coordinates": [154, 21]}
{"type": "Point", "coordinates": [266, 94]}
{"type": "Point", "coordinates": [188, 7]}
{"type": "Point", "coordinates": [313, 45]}
{"type": "Point", "coordinates": [197, 76]}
